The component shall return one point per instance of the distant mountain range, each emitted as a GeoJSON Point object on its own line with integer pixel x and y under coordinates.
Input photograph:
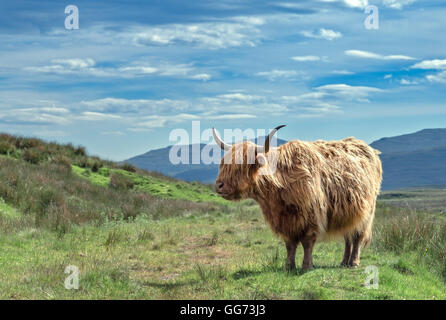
{"type": "Point", "coordinates": [414, 160]}
{"type": "Point", "coordinates": [411, 160]}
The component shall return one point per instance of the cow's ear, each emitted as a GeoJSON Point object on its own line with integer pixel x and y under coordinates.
{"type": "Point", "coordinates": [261, 159]}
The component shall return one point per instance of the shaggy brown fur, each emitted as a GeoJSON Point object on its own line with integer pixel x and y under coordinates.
{"type": "Point", "coordinates": [318, 190]}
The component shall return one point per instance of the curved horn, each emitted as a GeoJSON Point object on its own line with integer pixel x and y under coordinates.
{"type": "Point", "coordinates": [220, 142]}
{"type": "Point", "coordinates": [265, 148]}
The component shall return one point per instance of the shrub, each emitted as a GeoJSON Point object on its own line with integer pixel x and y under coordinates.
{"type": "Point", "coordinates": [128, 167]}
{"type": "Point", "coordinates": [120, 182]}
{"type": "Point", "coordinates": [62, 160]}
{"type": "Point", "coordinates": [95, 167]}
{"type": "Point", "coordinates": [6, 147]}
{"type": "Point", "coordinates": [80, 151]}
{"type": "Point", "coordinates": [26, 143]}
{"type": "Point", "coordinates": [82, 162]}
{"type": "Point", "coordinates": [32, 156]}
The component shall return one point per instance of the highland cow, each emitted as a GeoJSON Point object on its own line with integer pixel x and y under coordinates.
{"type": "Point", "coordinates": [308, 191]}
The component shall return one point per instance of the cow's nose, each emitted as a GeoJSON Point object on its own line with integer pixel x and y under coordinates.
{"type": "Point", "coordinates": [219, 185]}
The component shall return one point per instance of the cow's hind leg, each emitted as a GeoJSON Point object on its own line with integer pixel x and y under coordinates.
{"type": "Point", "coordinates": [357, 239]}
{"type": "Point", "coordinates": [347, 250]}
{"type": "Point", "coordinates": [291, 246]}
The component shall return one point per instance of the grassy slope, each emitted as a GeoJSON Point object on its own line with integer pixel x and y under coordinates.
{"type": "Point", "coordinates": [153, 185]}
{"type": "Point", "coordinates": [163, 246]}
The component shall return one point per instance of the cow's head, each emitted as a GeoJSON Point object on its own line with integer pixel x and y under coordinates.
{"type": "Point", "coordinates": [241, 166]}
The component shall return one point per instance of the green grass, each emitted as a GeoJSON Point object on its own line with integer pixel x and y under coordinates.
{"type": "Point", "coordinates": [221, 256]}
{"type": "Point", "coordinates": [427, 199]}
{"type": "Point", "coordinates": [155, 186]}
{"type": "Point", "coordinates": [8, 211]}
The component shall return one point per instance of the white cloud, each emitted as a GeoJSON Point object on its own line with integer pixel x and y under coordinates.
{"type": "Point", "coordinates": [435, 64]}
{"type": "Point", "coordinates": [232, 32]}
{"type": "Point", "coordinates": [287, 5]}
{"type": "Point", "coordinates": [327, 99]}
{"type": "Point", "coordinates": [201, 76]}
{"type": "Point", "coordinates": [312, 104]}
{"type": "Point", "coordinates": [397, 4]}
{"type": "Point", "coordinates": [97, 116]}
{"type": "Point", "coordinates": [275, 74]}
{"type": "Point", "coordinates": [144, 114]}
{"type": "Point", "coordinates": [359, 93]}
{"type": "Point", "coordinates": [75, 63]}
{"type": "Point", "coordinates": [239, 103]}
{"type": "Point", "coordinates": [87, 67]}
{"type": "Point", "coordinates": [139, 70]}
{"type": "Point", "coordinates": [323, 33]}
{"type": "Point", "coordinates": [408, 82]}
{"type": "Point", "coordinates": [66, 66]}
{"type": "Point", "coordinates": [306, 58]}
{"type": "Point", "coordinates": [159, 121]}
{"type": "Point", "coordinates": [50, 110]}
{"type": "Point", "coordinates": [136, 106]}
{"type": "Point", "coordinates": [239, 97]}
{"type": "Point", "coordinates": [54, 110]}
{"type": "Point", "coordinates": [342, 72]}
{"type": "Point", "coordinates": [362, 4]}
{"type": "Point", "coordinates": [357, 3]}
{"type": "Point", "coordinates": [430, 64]}
{"type": "Point", "coordinates": [232, 116]}
{"type": "Point", "coordinates": [32, 116]}
{"type": "Point", "coordinates": [371, 55]}
{"type": "Point", "coordinates": [440, 77]}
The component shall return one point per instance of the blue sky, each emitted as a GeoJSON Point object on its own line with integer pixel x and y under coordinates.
{"type": "Point", "coordinates": [135, 70]}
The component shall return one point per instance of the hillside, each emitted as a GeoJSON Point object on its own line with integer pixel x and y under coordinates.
{"type": "Point", "coordinates": [36, 176]}
{"type": "Point", "coordinates": [139, 235]}
{"type": "Point", "coordinates": [424, 139]}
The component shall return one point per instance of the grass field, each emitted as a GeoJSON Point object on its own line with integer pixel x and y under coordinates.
{"type": "Point", "coordinates": [421, 199]}
{"type": "Point", "coordinates": [231, 255]}
{"type": "Point", "coordinates": [139, 235]}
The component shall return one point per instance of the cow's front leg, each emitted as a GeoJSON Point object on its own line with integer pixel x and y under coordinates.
{"type": "Point", "coordinates": [291, 246]}
{"type": "Point", "coordinates": [308, 244]}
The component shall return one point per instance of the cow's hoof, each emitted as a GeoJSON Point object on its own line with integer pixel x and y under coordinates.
{"type": "Point", "coordinates": [353, 265]}
{"type": "Point", "coordinates": [307, 267]}
{"type": "Point", "coordinates": [290, 268]}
